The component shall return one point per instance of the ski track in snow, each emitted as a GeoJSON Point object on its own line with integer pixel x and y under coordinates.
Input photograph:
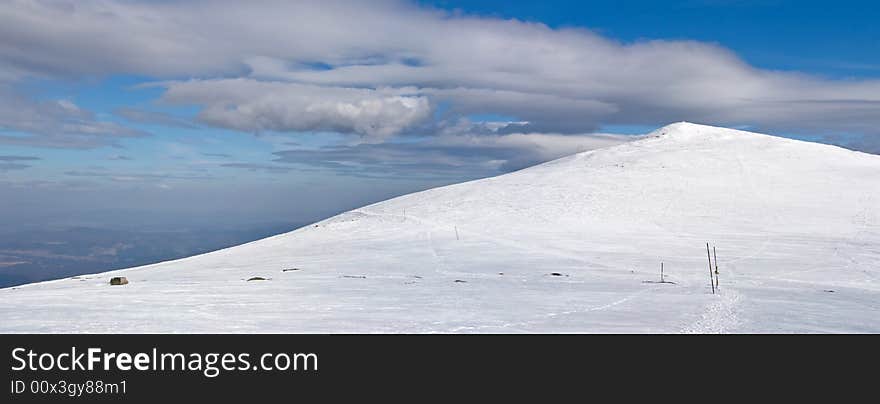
{"type": "Point", "coordinates": [523, 325]}
{"type": "Point", "coordinates": [723, 314]}
{"type": "Point", "coordinates": [720, 316]}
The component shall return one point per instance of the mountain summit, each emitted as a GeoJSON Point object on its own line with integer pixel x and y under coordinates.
{"type": "Point", "coordinates": [571, 245]}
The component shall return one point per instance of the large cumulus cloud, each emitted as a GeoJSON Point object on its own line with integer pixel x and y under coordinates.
{"type": "Point", "coordinates": [255, 106]}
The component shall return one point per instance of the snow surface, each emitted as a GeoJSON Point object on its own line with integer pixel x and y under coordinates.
{"type": "Point", "coordinates": [796, 225]}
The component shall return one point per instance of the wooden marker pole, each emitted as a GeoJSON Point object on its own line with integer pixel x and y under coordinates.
{"type": "Point", "coordinates": [715, 256]}
{"type": "Point", "coordinates": [661, 272]}
{"type": "Point", "coordinates": [711, 278]}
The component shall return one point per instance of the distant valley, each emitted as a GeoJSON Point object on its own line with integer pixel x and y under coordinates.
{"type": "Point", "coordinates": [34, 255]}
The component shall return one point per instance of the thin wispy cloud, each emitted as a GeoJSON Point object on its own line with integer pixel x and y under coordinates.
{"type": "Point", "coordinates": [55, 124]}
{"type": "Point", "coordinates": [448, 155]}
{"type": "Point", "coordinates": [135, 176]}
{"type": "Point", "coordinates": [9, 163]}
{"type": "Point", "coordinates": [18, 158]}
{"type": "Point", "coordinates": [258, 167]}
{"type": "Point", "coordinates": [12, 166]}
{"type": "Point", "coordinates": [154, 118]}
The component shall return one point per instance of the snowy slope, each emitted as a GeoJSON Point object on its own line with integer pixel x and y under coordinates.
{"type": "Point", "coordinates": [796, 225]}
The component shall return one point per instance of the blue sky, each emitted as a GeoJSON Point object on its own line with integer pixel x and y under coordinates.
{"type": "Point", "coordinates": [838, 39]}
{"type": "Point", "coordinates": [165, 113]}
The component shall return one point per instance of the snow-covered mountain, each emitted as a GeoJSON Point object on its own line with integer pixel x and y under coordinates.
{"type": "Point", "coordinates": [572, 245]}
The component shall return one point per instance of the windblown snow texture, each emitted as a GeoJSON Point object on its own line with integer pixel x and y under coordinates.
{"type": "Point", "coordinates": [796, 226]}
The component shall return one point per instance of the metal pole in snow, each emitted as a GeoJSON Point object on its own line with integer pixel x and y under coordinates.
{"type": "Point", "coordinates": [661, 272]}
{"type": "Point", "coordinates": [711, 278]}
{"type": "Point", "coordinates": [715, 256]}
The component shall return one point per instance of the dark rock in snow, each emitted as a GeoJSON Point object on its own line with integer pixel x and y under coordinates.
{"type": "Point", "coordinates": [119, 280]}
{"type": "Point", "coordinates": [256, 278]}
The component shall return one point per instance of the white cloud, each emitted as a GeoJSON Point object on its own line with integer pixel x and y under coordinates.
{"type": "Point", "coordinates": [254, 106]}
{"type": "Point", "coordinates": [376, 68]}
{"type": "Point", "coordinates": [458, 151]}
{"type": "Point", "coordinates": [55, 123]}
